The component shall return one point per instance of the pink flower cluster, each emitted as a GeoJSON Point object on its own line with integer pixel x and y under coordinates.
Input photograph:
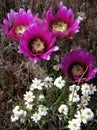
{"type": "Point", "coordinates": [37, 36]}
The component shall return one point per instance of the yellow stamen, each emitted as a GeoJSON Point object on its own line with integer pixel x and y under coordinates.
{"type": "Point", "coordinates": [38, 46]}
{"type": "Point", "coordinates": [60, 26]}
{"type": "Point", "coordinates": [28, 96]}
{"type": "Point", "coordinates": [85, 98]}
{"type": "Point", "coordinates": [59, 82]}
{"type": "Point", "coordinates": [37, 84]}
{"type": "Point", "coordinates": [81, 117]}
{"type": "Point", "coordinates": [74, 125]}
{"type": "Point", "coordinates": [20, 29]}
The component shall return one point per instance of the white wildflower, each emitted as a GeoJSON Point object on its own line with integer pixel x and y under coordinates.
{"type": "Point", "coordinates": [17, 111]}
{"type": "Point", "coordinates": [74, 97]}
{"type": "Point", "coordinates": [74, 124]}
{"type": "Point", "coordinates": [56, 67]}
{"type": "Point", "coordinates": [92, 89]}
{"type": "Point", "coordinates": [32, 87]}
{"type": "Point", "coordinates": [59, 82]}
{"type": "Point", "coordinates": [23, 117]}
{"type": "Point", "coordinates": [80, 115]}
{"type": "Point", "coordinates": [88, 114]}
{"type": "Point", "coordinates": [85, 99]}
{"type": "Point", "coordinates": [63, 109]}
{"type": "Point", "coordinates": [42, 110]}
{"type": "Point", "coordinates": [38, 84]}
{"type": "Point", "coordinates": [29, 96]}
{"type": "Point", "coordinates": [48, 82]}
{"type": "Point", "coordinates": [29, 105]}
{"type": "Point", "coordinates": [36, 117]}
{"type": "Point", "coordinates": [14, 118]}
{"type": "Point", "coordinates": [85, 88]}
{"type": "Point", "coordinates": [41, 97]}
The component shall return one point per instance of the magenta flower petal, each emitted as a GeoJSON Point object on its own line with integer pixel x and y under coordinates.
{"type": "Point", "coordinates": [17, 23]}
{"type": "Point", "coordinates": [37, 43]}
{"type": "Point", "coordinates": [79, 65]}
{"type": "Point", "coordinates": [62, 24]}
{"type": "Point", "coordinates": [49, 17]}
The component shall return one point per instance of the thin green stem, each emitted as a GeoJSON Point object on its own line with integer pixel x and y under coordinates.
{"type": "Point", "coordinates": [75, 90]}
{"type": "Point", "coordinates": [82, 75]}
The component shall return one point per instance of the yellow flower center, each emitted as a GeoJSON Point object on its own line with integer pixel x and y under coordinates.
{"type": "Point", "coordinates": [20, 29]}
{"type": "Point", "coordinates": [37, 84]}
{"type": "Point", "coordinates": [36, 117]}
{"type": "Point", "coordinates": [81, 117]}
{"type": "Point", "coordinates": [85, 98]}
{"type": "Point", "coordinates": [28, 96]}
{"type": "Point", "coordinates": [88, 113]}
{"type": "Point", "coordinates": [59, 82]}
{"type": "Point", "coordinates": [86, 88]}
{"type": "Point", "coordinates": [37, 46]}
{"type": "Point", "coordinates": [60, 26]}
{"type": "Point", "coordinates": [74, 124]}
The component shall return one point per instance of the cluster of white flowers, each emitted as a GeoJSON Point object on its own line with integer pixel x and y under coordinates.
{"type": "Point", "coordinates": [80, 95]}
{"type": "Point", "coordinates": [48, 82]}
{"type": "Point", "coordinates": [29, 98]}
{"type": "Point", "coordinates": [39, 84]}
{"type": "Point", "coordinates": [18, 114]}
{"type": "Point", "coordinates": [83, 114]}
{"type": "Point", "coordinates": [73, 96]}
{"type": "Point", "coordinates": [42, 111]}
{"type": "Point", "coordinates": [86, 91]}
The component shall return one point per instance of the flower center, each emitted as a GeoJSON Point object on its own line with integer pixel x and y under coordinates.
{"type": "Point", "coordinates": [62, 109]}
{"type": "Point", "coordinates": [59, 82]}
{"type": "Point", "coordinates": [85, 98]}
{"type": "Point", "coordinates": [37, 46]}
{"type": "Point", "coordinates": [37, 84]}
{"type": "Point", "coordinates": [60, 26]}
{"type": "Point", "coordinates": [20, 29]}
{"type": "Point", "coordinates": [28, 96]}
{"type": "Point", "coordinates": [77, 70]}
{"type": "Point", "coordinates": [74, 124]}
{"type": "Point", "coordinates": [36, 117]}
{"type": "Point", "coordinates": [86, 88]}
{"type": "Point", "coordinates": [81, 117]}
{"type": "Point", "coordinates": [88, 113]}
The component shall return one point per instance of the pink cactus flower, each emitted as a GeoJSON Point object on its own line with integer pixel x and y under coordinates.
{"type": "Point", "coordinates": [17, 22]}
{"type": "Point", "coordinates": [37, 43]}
{"type": "Point", "coordinates": [62, 24]}
{"type": "Point", "coordinates": [78, 65]}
